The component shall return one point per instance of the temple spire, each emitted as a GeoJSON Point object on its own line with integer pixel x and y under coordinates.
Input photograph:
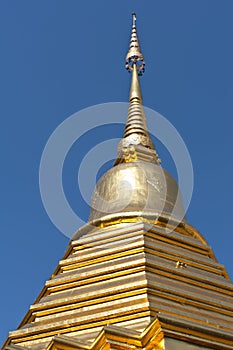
{"type": "Point", "coordinates": [136, 136]}
{"type": "Point", "coordinates": [134, 55]}
{"type": "Point", "coordinates": [136, 121]}
{"type": "Point", "coordinates": [135, 89]}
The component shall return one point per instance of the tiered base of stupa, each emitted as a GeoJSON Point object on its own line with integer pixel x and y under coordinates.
{"type": "Point", "coordinates": [132, 285]}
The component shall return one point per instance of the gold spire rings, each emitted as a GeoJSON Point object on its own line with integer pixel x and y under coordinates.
{"type": "Point", "coordinates": [134, 55]}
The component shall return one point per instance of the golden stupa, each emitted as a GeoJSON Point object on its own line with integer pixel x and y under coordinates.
{"type": "Point", "coordinates": [138, 275]}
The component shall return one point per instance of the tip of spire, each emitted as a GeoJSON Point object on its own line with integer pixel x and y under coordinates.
{"type": "Point", "coordinates": [134, 18]}
{"type": "Point", "coordinates": [134, 55]}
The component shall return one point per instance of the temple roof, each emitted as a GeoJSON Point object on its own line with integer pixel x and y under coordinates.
{"type": "Point", "coordinates": [128, 276]}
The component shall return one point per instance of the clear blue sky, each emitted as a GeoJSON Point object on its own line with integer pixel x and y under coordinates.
{"type": "Point", "coordinates": [58, 57]}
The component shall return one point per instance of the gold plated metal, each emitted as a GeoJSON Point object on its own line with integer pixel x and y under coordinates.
{"type": "Point", "coordinates": [129, 279]}
{"type": "Point", "coordinates": [136, 121]}
{"type": "Point", "coordinates": [136, 184]}
{"type": "Point", "coordinates": [126, 278]}
{"type": "Point", "coordinates": [135, 90]}
{"type": "Point", "coordinates": [134, 55]}
{"type": "Point", "coordinates": [136, 132]}
{"type": "Point", "coordinates": [141, 187]}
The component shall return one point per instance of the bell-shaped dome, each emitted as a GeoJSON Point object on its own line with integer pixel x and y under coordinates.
{"type": "Point", "coordinates": [137, 189]}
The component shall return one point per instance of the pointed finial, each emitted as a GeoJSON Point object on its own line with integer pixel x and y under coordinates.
{"type": "Point", "coordinates": [134, 55]}
{"type": "Point", "coordinates": [136, 143]}
{"type": "Point", "coordinates": [134, 18]}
